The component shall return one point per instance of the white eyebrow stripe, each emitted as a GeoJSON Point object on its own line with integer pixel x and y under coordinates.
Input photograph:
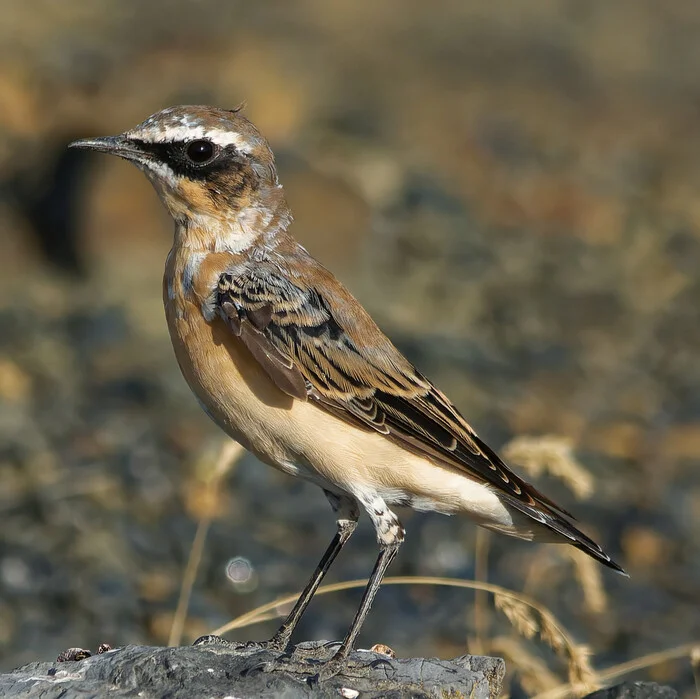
{"type": "Point", "coordinates": [191, 133]}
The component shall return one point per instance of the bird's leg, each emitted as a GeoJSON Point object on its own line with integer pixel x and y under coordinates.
{"type": "Point", "coordinates": [347, 513]}
{"type": "Point", "coordinates": [390, 535]}
{"type": "Point", "coordinates": [386, 556]}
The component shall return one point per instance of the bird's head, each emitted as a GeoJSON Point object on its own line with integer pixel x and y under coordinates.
{"type": "Point", "coordinates": [211, 167]}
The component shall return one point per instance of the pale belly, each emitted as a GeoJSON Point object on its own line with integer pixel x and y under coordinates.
{"type": "Point", "coordinates": [301, 439]}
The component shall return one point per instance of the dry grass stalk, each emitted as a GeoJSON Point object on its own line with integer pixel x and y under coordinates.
{"type": "Point", "coordinates": [553, 455]}
{"type": "Point", "coordinates": [531, 620]}
{"type": "Point", "coordinates": [532, 671]}
{"type": "Point", "coordinates": [589, 576]}
{"type": "Point", "coordinates": [695, 665]}
{"type": "Point", "coordinates": [211, 472]}
{"type": "Point", "coordinates": [617, 671]}
{"type": "Point", "coordinates": [273, 609]}
{"type": "Point", "coordinates": [519, 615]}
{"type": "Point", "coordinates": [539, 570]}
{"type": "Point", "coordinates": [582, 677]}
{"type": "Point", "coordinates": [481, 554]}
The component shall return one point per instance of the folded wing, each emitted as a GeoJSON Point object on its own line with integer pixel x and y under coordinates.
{"type": "Point", "coordinates": [317, 343]}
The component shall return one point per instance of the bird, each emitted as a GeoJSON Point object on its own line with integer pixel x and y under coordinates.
{"type": "Point", "coordinates": [288, 363]}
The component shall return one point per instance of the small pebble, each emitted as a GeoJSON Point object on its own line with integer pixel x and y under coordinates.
{"type": "Point", "coordinates": [383, 649]}
{"type": "Point", "coordinates": [73, 654]}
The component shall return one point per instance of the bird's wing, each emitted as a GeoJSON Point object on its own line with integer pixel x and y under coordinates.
{"type": "Point", "coordinates": [317, 343]}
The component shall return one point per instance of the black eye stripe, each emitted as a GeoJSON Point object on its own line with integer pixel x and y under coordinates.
{"type": "Point", "coordinates": [161, 151]}
{"type": "Point", "coordinates": [174, 154]}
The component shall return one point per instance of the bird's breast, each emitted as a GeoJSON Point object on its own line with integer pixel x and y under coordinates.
{"type": "Point", "coordinates": [229, 384]}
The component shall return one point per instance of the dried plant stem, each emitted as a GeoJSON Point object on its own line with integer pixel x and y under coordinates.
{"type": "Point", "coordinates": [534, 675]}
{"type": "Point", "coordinates": [554, 455]}
{"type": "Point", "coordinates": [590, 578]}
{"type": "Point", "coordinates": [228, 454]}
{"type": "Point", "coordinates": [539, 568]}
{"type": "Point", "coordinates": [695, 665]}
{"type": "Point", "coordinates": [255, 615]}
{"type": "Point", "coordinates": [616, 671]}
{"type": "Point", "coordinates": [188, 579]}
{"type": "Point", "coordinates": [481, 555]}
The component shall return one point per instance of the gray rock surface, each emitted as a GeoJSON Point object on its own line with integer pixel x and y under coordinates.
{"type": "Point", "coordinates": [635, 690]}
{"type": "Point", "coordinates": [212, 672]}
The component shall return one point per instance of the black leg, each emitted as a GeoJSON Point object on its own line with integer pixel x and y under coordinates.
{"type": "Point", "coordinates": [390, 535]}
{"type": "Point", "coordinates": [348, 514]}
{"type": "Point", "coordinates": [324, 669]}
{"type": "Point", "coordinates": [386, 556]}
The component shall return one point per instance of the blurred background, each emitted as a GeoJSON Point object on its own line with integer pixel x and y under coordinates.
{"type": "Point", "coordinates": [512, 191]}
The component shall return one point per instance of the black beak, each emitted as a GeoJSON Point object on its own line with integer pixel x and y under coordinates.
{"type": "Point", "coordinates": [114, 145]}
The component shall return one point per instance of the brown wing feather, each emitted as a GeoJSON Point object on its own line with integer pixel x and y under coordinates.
{"type": "Point", "coordinates": [279, 367]}
{"type": "Point", "coordinates": [317, 342]}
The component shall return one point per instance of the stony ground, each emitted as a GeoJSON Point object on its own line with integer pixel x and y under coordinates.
{"type": "Point", "coordinates": [180, 673]}
{"type": "Point", "coordinates": [511, 189]}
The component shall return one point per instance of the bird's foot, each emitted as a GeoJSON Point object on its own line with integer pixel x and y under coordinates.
{"type": "Point", "coordinates": [311, 670]}
{"type": "Point", "coordinates": [320, 652]}
{"type": "Point", "coordinates": [210, 640]}
{"type": "Point", "coordinates": [331, 668]}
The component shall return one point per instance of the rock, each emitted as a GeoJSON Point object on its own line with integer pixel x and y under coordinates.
{"type": "Point", "coordinates": [222, 671]}
{"type": "Point", "coordinates": [635, 690]}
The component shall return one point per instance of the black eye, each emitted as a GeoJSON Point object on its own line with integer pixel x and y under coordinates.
{"type": "Point", "coordinates": [200, 151]}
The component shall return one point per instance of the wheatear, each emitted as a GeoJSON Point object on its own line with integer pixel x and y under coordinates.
{"type": "Point", "coordinates": [288, 363]}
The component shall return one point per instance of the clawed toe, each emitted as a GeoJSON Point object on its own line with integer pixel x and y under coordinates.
{"type": "Point", "coordinates": [313, 667]}
{"type": "Point", "coordinates": [331, 668]}
{"type": "Point", "coordinates": [211, 640]}
{"type": "Point", "coordinates": [266, 666]}
{"type": "Point", "coordinates": [254, 669]}
{"type": "Point", "coordinates": [285, 663]}
{"type": "Point", "coordinates": [381, 662]}
{"type": "Point", "coordinates": [317, 651]}
{"type": "Point", "coordinates": [309, 669]}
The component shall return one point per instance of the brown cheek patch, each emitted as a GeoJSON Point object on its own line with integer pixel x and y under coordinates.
{"type": "Point", "coordinates": [196, 194]}
{"type": "Point", "coordinates": [234, 187]}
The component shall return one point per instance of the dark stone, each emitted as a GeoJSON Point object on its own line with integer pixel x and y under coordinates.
{"type": "Point", "coordinates": [222, 671]}
{"type": "Point", "coordinates": [635, 690]}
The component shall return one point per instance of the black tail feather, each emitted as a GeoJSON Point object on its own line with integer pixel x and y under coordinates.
{"type": "Point", "coordinates": [557, 523]}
